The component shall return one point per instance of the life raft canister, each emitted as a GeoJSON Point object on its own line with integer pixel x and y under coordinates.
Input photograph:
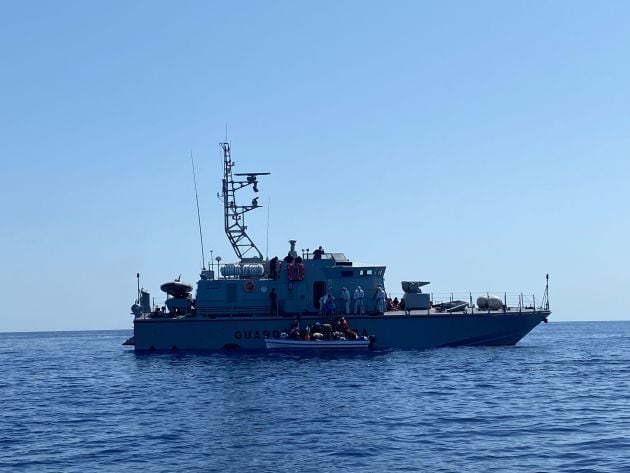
{"type": "Point", "coordinates": [249, 286]}
{"type": "Point", "coordinates": [295, 271]}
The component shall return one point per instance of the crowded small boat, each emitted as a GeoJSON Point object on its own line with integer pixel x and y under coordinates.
{"type": "Point", "coordinates": [336, 335]}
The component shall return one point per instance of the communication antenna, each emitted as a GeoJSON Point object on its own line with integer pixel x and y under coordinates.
{"type": "Point", "coordinates": [138, 278]}
{"type": "Point", "coordinates": [203, 258]}
{"type": "Point", "coordinates": [546, 296]}
{"type": "Point", "coordinates": [267, 245]}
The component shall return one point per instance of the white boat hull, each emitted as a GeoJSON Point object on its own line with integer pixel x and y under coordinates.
{"type": "Point", "coordinates": [291, 344]}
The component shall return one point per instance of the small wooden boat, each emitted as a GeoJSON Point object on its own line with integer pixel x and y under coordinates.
{"type": "Point", "coordinates": [292, 344]}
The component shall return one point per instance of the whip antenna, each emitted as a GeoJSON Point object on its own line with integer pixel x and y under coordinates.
{"type": "Point", "coordinates": [203, 257]}
{"type": "Point", "coordinates": [267, 246]}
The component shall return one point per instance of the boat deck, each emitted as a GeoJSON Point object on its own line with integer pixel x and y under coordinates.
{"type": "Point", "coordinates": [466, 311]}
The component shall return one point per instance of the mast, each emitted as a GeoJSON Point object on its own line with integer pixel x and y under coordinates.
{"type": "Point", "coordinates": [234, 214]}
{"type": "Point", "coordinates": [546, 295]}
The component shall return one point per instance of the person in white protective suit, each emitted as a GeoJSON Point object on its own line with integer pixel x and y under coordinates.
{"type": "Point", "coordinates": [380, 300]}
{"type": "Point", "coordinates": [358, 300]}
{"type": "Point", "coordinates": [345, 297]}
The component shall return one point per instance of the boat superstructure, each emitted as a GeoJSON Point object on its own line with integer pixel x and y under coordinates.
{"type": "Point", "coordinates": [238, 305]}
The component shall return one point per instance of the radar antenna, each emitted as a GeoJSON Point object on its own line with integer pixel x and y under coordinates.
{"type": "Point", "coordinates": [234, 214]}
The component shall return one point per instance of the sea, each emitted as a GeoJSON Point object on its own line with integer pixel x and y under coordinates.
{"type": "Point", "coordinates": [82, 402]}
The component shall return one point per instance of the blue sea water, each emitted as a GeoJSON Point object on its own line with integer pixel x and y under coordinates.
{"type": "Point", "coordinates": [79, 401]}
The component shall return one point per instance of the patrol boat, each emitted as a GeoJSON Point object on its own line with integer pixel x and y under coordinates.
{"type": "Point", "coordinates": [239, 305]}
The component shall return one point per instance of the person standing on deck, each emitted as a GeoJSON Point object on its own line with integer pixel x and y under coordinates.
{"type": "Point", "coordinates": [329, 306]}
{"type": "Point", "coordinates": [380, 300]}
{"type": "Point", "coordinates": [358, 300]}
{"type": "Point", "coordinates": [322, 304]}
{"type": "Point", "coordinates": [345, 297]}
{"type": "Point", "coordinates": [273, 296]}
{"type": "Point", "coordinates": [273, 268]}
{"type": "Point", "coordinates": [317, 254]}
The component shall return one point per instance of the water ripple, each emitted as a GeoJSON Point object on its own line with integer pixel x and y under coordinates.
{"type": "Point", "coordinates": [81, 402]}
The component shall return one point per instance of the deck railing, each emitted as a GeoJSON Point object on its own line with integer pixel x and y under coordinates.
{"type": "Point", "coordinates": [511, 301]}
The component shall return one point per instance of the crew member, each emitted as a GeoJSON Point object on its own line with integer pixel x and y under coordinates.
{"type": "Point", "coordinates": [380, 300]}
{"type": "Point", "coordinates": [273, 296]}
{"type": "Point", "coordinates": [273, 268]}
{"type": "Point", "coordinates": [278, 267]}
{"type": "Point", "coordinates": [329, 306]}
{"type": "Point", "coordinates": [322, 304]}
{"type": "Point", "coordinates": [345, 297]}
{"type": "Point", "coordinates": [317, 254]}
{"type": "Point", "coordinates": [358, 300]}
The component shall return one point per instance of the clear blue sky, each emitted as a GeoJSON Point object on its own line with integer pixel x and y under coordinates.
{"type": "Point", "coordinates": [477, 145]}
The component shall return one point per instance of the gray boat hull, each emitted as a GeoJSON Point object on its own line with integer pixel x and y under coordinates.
{"type": "Point", "coordinates": [391, 331]}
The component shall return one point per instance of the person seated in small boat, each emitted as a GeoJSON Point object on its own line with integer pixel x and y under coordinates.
{"type": "Point", "coordinates": [305, 333]}
{"type": "Point", "coordinates": [351, 335]}
{"type": "Point", "coordinates": [317, 332]}
{"type": "Point", "coordinates": [345, 329]}
{"type": "Point", "coordinates": [294, 330]}
{"type": "Point", "coordinates": [337, 329]}
{"type": "Point", "coordinates": [327, 331]}
{"type": "Point", "coordinates": [338, 336]}
{"type": "Point", "coordinates": [396, 303]}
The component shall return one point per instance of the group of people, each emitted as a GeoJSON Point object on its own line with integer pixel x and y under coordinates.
{"type": "Point", "coordinates": [291, 258]}
{"type": "Point", "coordinates": [275, 264]}
{"type": "Point", "coordinates": [294, 265]}
{"type": "Point", "coordinates": [395, 304]}
{"type": "Point", "coordinates": [328, 308]}
{"type": "Point", "coordinates": [339, 329]}
{"type": "Point", "coordinates": [327, 301]}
